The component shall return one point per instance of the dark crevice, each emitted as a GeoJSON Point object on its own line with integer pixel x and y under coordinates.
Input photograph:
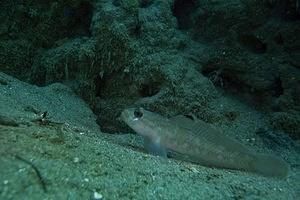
{"type": "Point", "coordinates": [142, 3]}
{"type": "Point", "coordinates": [149, 89]}
{"type": "Point", "coordinates": [99, 84]}
{"type": "Point", "coordinates": [79, 19]}
{"type": "Point", "coordinates": [252, 43]}
{"type": "Point", "coordinates": [189, 116]}
{"type": "Point", "coordinates": [277, 89]}
{"type": "Point", "coordinates": [116, 3]}
{"type": "Point", "coordinates": [146, 3]}
{"type": "Point", "coordinates": [291, 10]}
{"type": "Point", "coordinates": [136, 29]}
{"type": "Point", "coordinates": [227, 80]}
{"type": "Point", "coordinates": [223, 77]}
{"type": "Point", "coordinates": [182, 10]}
{"type": "Point", "coordinates": [278, 39]}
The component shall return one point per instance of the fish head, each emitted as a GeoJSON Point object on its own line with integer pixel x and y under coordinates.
{"type": "Point", "coordinates": [142, 121]}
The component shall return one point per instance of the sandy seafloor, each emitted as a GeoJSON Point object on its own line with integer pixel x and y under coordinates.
{"type": "Point", "coordinates": [69, 157]}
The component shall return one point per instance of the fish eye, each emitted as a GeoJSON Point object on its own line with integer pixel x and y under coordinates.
{"type": "Point", "coordinates": [138, 113]}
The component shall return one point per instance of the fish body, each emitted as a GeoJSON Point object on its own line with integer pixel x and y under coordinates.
{"type": "Point", "coordinates": [200, 142]}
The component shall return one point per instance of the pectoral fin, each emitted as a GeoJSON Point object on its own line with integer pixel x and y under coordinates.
{"type": "Point", "coordinates": [155, 147]}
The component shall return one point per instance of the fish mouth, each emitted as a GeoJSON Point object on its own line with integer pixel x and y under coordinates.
{"type": "Point", "coordinates": [125, 115]}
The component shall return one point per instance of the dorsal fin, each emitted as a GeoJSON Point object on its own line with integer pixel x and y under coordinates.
{"type": "Point", "coordinates": [208, 132]}
{"type": "Point", "coordinates": [182, 121]}
{"type": "Point", "coordinates": [190, 124]}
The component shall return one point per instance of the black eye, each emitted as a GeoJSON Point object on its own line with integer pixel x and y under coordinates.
{"type": "Point", "coordinates": [138, 113]}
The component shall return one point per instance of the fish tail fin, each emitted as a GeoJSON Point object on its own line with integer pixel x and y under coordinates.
{"type": "Point", "coordinates": [270, 166]}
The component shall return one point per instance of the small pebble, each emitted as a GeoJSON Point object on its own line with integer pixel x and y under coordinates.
{"type": "Point", "coordinates": [97, 195]}
{"type": "Point", "coordinates": [76, 160]}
